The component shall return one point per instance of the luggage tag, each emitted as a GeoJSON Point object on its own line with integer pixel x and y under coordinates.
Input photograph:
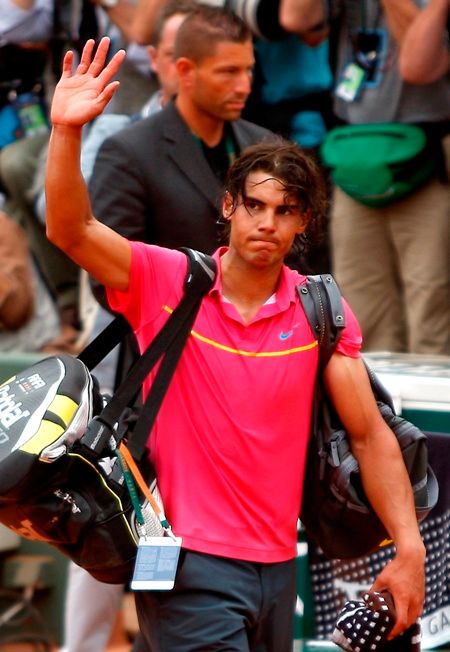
{"type": "Point", "coordinates": [351, 82]}
{"type": "Point", "coordinates": [156, 563]}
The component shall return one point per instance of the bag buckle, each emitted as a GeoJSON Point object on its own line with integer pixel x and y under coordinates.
{"type": "Point", "coordinates": [97, 436]}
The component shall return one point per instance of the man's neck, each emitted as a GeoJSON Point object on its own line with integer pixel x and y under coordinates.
{"type": "Point", "coordinates": [246, 287]}
{"type": "Point", "coordinates": [206, 127]}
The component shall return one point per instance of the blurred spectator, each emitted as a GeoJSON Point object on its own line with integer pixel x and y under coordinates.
{"type": "Point", "coordinates": [293, 100]}
{"type": "Point", "coordinates": [25, 21]}
{"type": "Point", "coordinates": [116, 18]}
{"type": "Point", "coordinates": [425, 50]}
{"type": "Point", "coordinates": [26, 29]}
{"type": "Point", "coordinates": [28, 316]}
{"type": "Point", "coordinates": [393, 264]}
{"type": "Point", "coordinates": [16, 288]}
{"type": "Point", "coordinates": [145, 18]}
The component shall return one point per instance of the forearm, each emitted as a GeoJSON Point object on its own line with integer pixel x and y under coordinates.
{"type": "Point", "coordinates": [374, 445]}
{"type": "Point", "coordinates": [388, 489]}
{"type": "Point", "coordinates": [144, 20]}
{"type": "Point", "coordinates": [307, 18]}
{"type": "Point", "coordinates": [425, 55]}
{"type": "Point", "coordinates": [67, 200]}
{"type": "Point", "coordinates": [23, 4]}
{"type": "Point", "coordinates": [399, 15]}
{"type": "Point", "coordinates": [122, 15]}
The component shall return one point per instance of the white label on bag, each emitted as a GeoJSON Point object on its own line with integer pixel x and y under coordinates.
{"type": "Point", "coordinates": [156, 564]}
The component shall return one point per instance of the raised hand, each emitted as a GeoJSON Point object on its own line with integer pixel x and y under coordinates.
{"type": "Point", "coordinates": [82, 95]}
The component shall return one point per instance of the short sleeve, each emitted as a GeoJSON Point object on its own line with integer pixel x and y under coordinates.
{"type": "Point", "coordinates": [351, 339]}
{"type": "Point", "coordinates": [156, 278]}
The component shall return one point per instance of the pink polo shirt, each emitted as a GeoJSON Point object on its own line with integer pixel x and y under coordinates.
{"type": "Point", "coordinates": [230, 439]}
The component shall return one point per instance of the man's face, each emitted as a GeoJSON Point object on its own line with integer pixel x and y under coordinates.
{"type": "Point", "coordinates": [265, 222]}
{"type": "Point", "coordinates": [221, 83]}
{"type": "Point", "coordinates": [163, 63]}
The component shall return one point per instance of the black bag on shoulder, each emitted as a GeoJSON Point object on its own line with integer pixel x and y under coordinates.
{"type": "Point", "coordinates": [336, 513]}
{"type": "Point", "coordinates": [61, 480]}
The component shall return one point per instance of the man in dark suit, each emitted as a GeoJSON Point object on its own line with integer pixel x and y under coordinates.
{"type": "Point", "coordinates": [160, 179]}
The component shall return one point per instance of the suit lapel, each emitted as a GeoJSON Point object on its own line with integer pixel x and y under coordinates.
{"type": "Point", "coordinates": [188, 157]}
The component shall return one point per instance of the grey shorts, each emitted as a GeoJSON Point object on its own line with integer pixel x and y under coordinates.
{"type": "Point", "coordinates": [221, 604]}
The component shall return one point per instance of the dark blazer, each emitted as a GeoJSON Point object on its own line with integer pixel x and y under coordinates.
{"type": "Point", "coordinates": [151, 182]}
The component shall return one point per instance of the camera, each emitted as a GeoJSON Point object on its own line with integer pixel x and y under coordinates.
{"type": "Point", "coordinates": [261, 16]}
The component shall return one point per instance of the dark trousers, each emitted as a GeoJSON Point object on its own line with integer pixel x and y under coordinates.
{"type": "Point", "coordinates": [221, 604]}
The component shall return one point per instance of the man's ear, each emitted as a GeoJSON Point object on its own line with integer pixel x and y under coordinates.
{"type": "Point", "coordinates": [152, 55]}
{"type": "Point", "coordinates": [185, 68]}
{"type": "Point", "coordinates": [227, 206]}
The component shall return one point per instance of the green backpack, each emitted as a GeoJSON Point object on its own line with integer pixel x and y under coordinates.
{"type": "Point", "coordinates": [377, 164]}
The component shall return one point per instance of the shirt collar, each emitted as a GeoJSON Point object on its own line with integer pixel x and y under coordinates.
{"type": "Point", "coordinates": [286, 292]}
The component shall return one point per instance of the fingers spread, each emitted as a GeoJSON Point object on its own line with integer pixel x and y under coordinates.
{"type": "Point", "coordinates": [86, 56]}
{"type": "Point", "coordinates": [113, 66]}
{"type": "Point", "coordinates": [67, 64]}
{"type": "Point", "coordinates": [98, 62]}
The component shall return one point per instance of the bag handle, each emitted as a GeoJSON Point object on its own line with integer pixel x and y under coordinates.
{"type": "Point", "coordinates": [322, 302]}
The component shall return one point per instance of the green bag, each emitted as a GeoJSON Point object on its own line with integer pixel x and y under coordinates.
{"type": "Point", "coordinates": [377, 164]}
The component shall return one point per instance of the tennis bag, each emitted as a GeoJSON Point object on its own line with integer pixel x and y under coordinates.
{"type": "Point", "coordinates": [61, 477]}
{"type": "Point", "coordinates": [336, 513]}
{"type": "Point", "coordinates": [377, 164]}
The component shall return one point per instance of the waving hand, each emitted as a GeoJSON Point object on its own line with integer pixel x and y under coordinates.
{"type": "Point", "coordinates": [82, 95]}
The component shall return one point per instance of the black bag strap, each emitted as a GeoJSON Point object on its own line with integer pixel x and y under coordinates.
{"type": "Point", "coordinates": [322, 302]}
{"type": "Point", "coordinates": [149, 411]}
{"type": "Point", "coordinates": [172, 337]}
{"type": "Point", "coordinates": [104, 342]}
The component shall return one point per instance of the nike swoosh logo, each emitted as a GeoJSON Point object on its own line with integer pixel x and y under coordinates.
{"type": "Point", "coordinates": [284, 336]}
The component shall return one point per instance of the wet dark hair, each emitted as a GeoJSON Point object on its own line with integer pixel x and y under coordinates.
{"type": "Point", "coordinates": [206, 26]}
{"type": "Point", "coordinates": [300, 175]}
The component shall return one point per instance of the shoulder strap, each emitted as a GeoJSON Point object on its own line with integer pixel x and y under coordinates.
{"type": "Point", "coordinates": [200, 275]}
{"type": "Point", "coordinates": [322, 303]}
{"type": "Point", "coordinates": [199, 278]}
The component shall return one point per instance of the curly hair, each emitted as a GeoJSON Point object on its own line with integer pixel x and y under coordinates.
{"type": "Point", "coordinates": [297, 171]}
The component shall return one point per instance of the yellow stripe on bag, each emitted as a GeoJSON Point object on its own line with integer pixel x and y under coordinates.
{"type": "Point", "coordinates": [47, 434]}
{"type": "Point", "coordinates": [7, 382]}
{"type": "Point", "coordinates": [64, 407]}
